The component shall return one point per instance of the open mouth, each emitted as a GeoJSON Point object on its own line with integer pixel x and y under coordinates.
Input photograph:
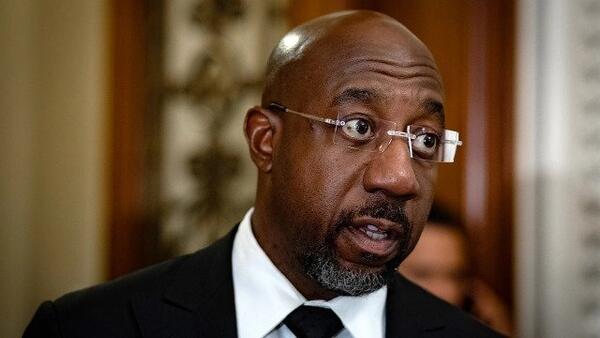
{"type": "Point", "coordinates": [374, 232]}
{"type": "Point", "coordinates": [377, 239]}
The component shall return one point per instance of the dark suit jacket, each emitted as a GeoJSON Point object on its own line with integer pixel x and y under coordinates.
{"type": "Point", "coordinates": [192, 296]}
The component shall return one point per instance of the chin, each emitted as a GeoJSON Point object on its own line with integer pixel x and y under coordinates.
{"type": "Point", "coordinates": [344, 277]}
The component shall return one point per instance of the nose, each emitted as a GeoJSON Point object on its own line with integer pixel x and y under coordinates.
{"type": "Point", "coordinates": [392, 172]}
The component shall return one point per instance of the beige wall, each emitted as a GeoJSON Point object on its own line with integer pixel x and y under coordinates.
{"type": "Point", "coordinates": [53, 119]}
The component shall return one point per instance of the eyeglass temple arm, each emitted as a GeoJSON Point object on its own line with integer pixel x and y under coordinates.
{"type": "Point", "coordinates": [456, 142]}
{"type": "Point", "coordinates": [279, 108]}
{"type": "Point", "coordinates": [452, 137]}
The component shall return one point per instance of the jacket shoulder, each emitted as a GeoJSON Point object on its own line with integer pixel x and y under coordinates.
{"type": "Point", "coordinates": [151, 297]}
{"type": "Point", "coordinates": [434, 316]}
{"type": "Point", "coordinates": [103, 310]}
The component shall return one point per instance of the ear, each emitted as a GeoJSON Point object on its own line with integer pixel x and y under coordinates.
{"type": "Point", "coordinates": [260, 127]}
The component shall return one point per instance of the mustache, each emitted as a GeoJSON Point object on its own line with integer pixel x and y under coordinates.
{"type": "Point", "coordinates": [380, 208]}
{"type": "Point", "coordinates": [384, 209]}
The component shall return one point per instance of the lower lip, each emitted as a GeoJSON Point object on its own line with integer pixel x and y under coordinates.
{"type": "Point", "coordinates": [359, 240]}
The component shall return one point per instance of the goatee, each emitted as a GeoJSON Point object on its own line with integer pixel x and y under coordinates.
{"type": "Point", "coordinates": [320, 261]}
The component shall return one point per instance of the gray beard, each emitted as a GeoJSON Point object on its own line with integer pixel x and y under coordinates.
{"type": "Point", "coordinates": [320, 263]}
{"type": "Point", "coordinates": [322, 266]}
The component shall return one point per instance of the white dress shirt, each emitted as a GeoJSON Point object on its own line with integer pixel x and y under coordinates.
{"type": "Point", "coordinates": [264, 296]}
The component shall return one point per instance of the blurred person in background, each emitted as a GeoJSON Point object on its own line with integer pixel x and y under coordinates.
{"type": "Point", "coordinates": [442, 263]}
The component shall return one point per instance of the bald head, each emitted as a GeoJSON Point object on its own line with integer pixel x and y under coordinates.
{"type": "Point", "coordinates": [316, 47]}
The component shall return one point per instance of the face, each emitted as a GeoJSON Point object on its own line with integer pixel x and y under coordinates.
{"type": "Point", "coordinates": [439, 263]}
{"type": "Point", "coordinates": [345, 217]}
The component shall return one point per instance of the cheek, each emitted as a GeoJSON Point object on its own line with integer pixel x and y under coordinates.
{"type": "Point", "coordinates": [427, 178]}
{"type": "Point", "coordinates": [319, 179]}
{"type": "Point", "coordinates": [309, 180]}
{"type": "Point", "coordinates": [426, 174]}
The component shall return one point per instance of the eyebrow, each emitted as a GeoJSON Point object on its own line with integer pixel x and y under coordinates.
{"type": "Point", "coordinates": [434, 107]}
{"type": "Point", "coordinates": [355, 95]}
{"type": "Point", "coordinates": [367, 96]}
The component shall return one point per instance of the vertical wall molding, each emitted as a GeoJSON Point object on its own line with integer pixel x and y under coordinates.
{"type": "Point", "coordinates": [558, 166]}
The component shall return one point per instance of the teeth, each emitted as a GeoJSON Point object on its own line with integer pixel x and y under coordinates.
{"type": "Point", "coordinates": [373, 228]}
{"type": "Point", "coordinates": [376, 235]}
{"type": "Point", "coordinates": [374, 232]}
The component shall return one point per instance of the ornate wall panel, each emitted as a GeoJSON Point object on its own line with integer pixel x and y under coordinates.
{"type": "Point", "coordinates": [216, 51]}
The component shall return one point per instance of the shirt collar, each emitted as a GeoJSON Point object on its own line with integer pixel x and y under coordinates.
{"type": "Point", "coordinates": [264, 296]}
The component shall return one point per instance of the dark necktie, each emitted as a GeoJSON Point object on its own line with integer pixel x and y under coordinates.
{"type": "Point", "coordinates": [313, 322]}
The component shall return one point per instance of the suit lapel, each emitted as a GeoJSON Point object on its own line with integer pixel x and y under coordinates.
{"type": "Point", "coordinates": [198, 300]}
{"type": "Point", "coordinates": [407, 311]}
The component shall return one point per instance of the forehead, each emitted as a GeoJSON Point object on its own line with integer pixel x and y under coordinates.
{"type": "Point", "coordinates": [378, 66]}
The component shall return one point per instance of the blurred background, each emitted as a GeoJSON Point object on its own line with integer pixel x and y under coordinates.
{"type": "Point", "coordinates": [121, 140]}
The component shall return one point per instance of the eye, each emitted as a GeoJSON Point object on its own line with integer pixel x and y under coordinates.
{"type": "Point", "coordinates": [425, 144]}
{"type": "Point", "coordinates": [359, 129]}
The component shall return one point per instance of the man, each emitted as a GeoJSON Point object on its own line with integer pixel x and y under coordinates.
{"type": "Point", "coordinates": [442, 264]}
{"type": "Point", "coordinates": [346, 143]}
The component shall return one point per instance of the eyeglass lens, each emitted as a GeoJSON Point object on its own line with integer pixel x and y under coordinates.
{"type": "Point", "coordinates": [368, 133]}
